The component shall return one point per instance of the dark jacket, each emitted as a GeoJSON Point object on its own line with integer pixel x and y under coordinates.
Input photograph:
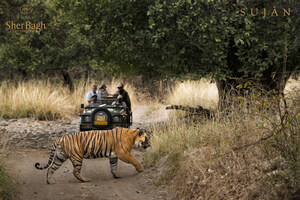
{"type": "Point", "coordinates": [125, 98]}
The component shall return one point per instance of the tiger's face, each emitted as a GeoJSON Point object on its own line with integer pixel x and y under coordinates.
{"type": "Point", "coordinates": [142, 139]}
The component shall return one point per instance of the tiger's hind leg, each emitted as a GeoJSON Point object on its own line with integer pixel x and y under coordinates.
{"type": "Point", "coordinates": [59, 159]}
{"type": "Point", "coordinates": [114, 166]}
{"type": "Point", "coordinates": [77, 163]}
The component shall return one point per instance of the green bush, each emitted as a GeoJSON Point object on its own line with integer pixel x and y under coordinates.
{"type": "Point", "coordinates": [6, 191]}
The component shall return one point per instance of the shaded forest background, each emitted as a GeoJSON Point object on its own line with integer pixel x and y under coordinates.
{"type": "Point", "coordinates": [248, 151]}
{"type": "Point", "coordinates": [155, 39]}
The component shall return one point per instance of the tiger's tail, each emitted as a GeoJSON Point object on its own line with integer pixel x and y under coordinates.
{"type": "Point", "coordinates": [52, 152]}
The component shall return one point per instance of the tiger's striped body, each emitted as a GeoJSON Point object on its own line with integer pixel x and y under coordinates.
{"type": "Point", "coordinates": [114, 144]}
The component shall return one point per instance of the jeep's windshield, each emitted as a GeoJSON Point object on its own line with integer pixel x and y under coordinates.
{"type": "Point", "coordinates": [115, 110]}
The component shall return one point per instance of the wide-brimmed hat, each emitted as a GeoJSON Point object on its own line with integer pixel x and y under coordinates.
{"type": "Point", "coordinates": [103, 86]}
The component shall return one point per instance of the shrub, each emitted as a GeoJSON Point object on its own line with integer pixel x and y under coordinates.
{"type": "Point", "coordinates": [251, 152]}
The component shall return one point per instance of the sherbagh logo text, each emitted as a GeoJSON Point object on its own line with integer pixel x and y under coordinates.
{"type": "Point", "coordinates": [27, 26]}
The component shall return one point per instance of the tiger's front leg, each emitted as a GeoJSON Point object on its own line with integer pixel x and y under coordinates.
{"type": "Point", "coordinates": [129, 158]}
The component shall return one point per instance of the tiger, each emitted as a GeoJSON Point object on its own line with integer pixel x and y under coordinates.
{"type": "Point", "coordinates": [114, 144]}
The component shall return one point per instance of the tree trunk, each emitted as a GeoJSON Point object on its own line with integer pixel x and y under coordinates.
{"type": "Point", "coordinates": [67, 80]}
{"type": "Point", "coordinates": [86, 76]}
{"type": "Point", "coordinates": [228, 88]}
{"type": "Point", "coordinates": [283, 73]}
{"type": "Point", "coordinates": [24, 74]}
{"type": "Point", "coordinates": [229, 85]}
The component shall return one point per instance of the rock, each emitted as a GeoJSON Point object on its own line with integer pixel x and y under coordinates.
{"type": "Point", "coordinates": [35, 134]}
{"type": "Point", "coordinates": [4, 123]}
{"type": "Point", "coordinates": [189, 182]}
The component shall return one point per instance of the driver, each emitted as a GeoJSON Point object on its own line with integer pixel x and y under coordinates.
{"type": "Point", "coordinates": [92, 93]}
{"type": "Point", "coordinates": [94, 99]}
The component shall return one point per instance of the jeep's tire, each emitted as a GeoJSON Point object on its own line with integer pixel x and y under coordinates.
{"type": "Point", "coordinates": [109, 118]}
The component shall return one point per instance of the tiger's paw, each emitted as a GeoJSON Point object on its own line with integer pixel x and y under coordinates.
{"type": "Point", "coordinates": [116, 176]}
{"type": "Point", "coordinates": [86, 180]}
{"type": "Point", "coordinates": [140, 170]}
{"type": "Point", "coordinates": [50, 181]}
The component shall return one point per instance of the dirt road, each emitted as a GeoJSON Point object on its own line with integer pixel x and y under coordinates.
{"type": "Point", "coordinates": [30, 184]}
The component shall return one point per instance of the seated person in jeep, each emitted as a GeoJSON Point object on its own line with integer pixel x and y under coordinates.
{"type": "Point", "coordinates": [94, 99]}
{"type": "Point", "coordinates": [103, 92]}
{"type": "Point", "coordinates": [90, 94]}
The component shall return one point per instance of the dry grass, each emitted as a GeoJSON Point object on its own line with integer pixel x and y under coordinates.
{"type": "Point", "coordinates": [193, 149]}
{"type": "Point", "coordinates": [194, 93]}
{"type": "Point", "coordinates": [47, 101]}
{"type": "Point", "coordinates": [291, 86]}
{"type": "Point", "coordinates": [201, 160]}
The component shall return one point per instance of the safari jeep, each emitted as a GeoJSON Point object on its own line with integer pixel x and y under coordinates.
{"type": "Point", "coordinates": [102, 115]}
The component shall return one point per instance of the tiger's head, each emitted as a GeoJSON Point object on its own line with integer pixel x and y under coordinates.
{"type": "Point", "coordinates": [142, 139]}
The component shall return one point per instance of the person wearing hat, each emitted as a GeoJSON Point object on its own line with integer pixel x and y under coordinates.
{"type": "Point", "coordinates": [124, 99]}
{"type": "Point", "coordinates": [103, 92]}
{"type": "Point", "coordinates": [124, 94]}
{"type": "Point", "coordinates": [93, 93]}
{"type": "Point", "coordinates": [94, 99]}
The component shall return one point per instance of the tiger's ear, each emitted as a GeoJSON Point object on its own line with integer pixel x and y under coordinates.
{"type": "Point", "coordinates": [141, 132]}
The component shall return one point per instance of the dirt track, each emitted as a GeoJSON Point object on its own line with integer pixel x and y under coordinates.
{"type": "Point", "coordinates": [30, 183]}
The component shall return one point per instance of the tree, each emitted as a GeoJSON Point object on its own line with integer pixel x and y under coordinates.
{"type": "Point", "coordinates": [61, 49]}
{"type": "Point", "coordinates": [196, 38]}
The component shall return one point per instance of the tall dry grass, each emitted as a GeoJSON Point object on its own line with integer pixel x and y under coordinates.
{"type": "Point", "coordinates": [44, 100]}
{"type": "Point", "coordinates": [253, 152]}
{"type": "Point", "coordinates": [194, 93]}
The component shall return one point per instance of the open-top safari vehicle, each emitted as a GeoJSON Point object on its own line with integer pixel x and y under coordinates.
{"type": "Point", "coordinates": [102, 115]}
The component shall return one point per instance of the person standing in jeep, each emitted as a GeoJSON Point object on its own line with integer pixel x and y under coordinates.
{"type": "Point", "coordinates": [103, 92]}
{"type": "Point", "coordinates": [125, 98]}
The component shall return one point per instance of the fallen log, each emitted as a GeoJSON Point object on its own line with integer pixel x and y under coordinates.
{"type": "Point", "coordinates": [194, 111]}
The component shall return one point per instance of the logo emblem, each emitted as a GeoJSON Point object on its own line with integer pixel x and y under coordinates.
{"type": "Point", "coordinates": [26, 9]}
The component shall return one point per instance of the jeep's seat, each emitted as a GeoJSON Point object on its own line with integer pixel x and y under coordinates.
{"type": "Point", "coordinates": [107, 100]}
